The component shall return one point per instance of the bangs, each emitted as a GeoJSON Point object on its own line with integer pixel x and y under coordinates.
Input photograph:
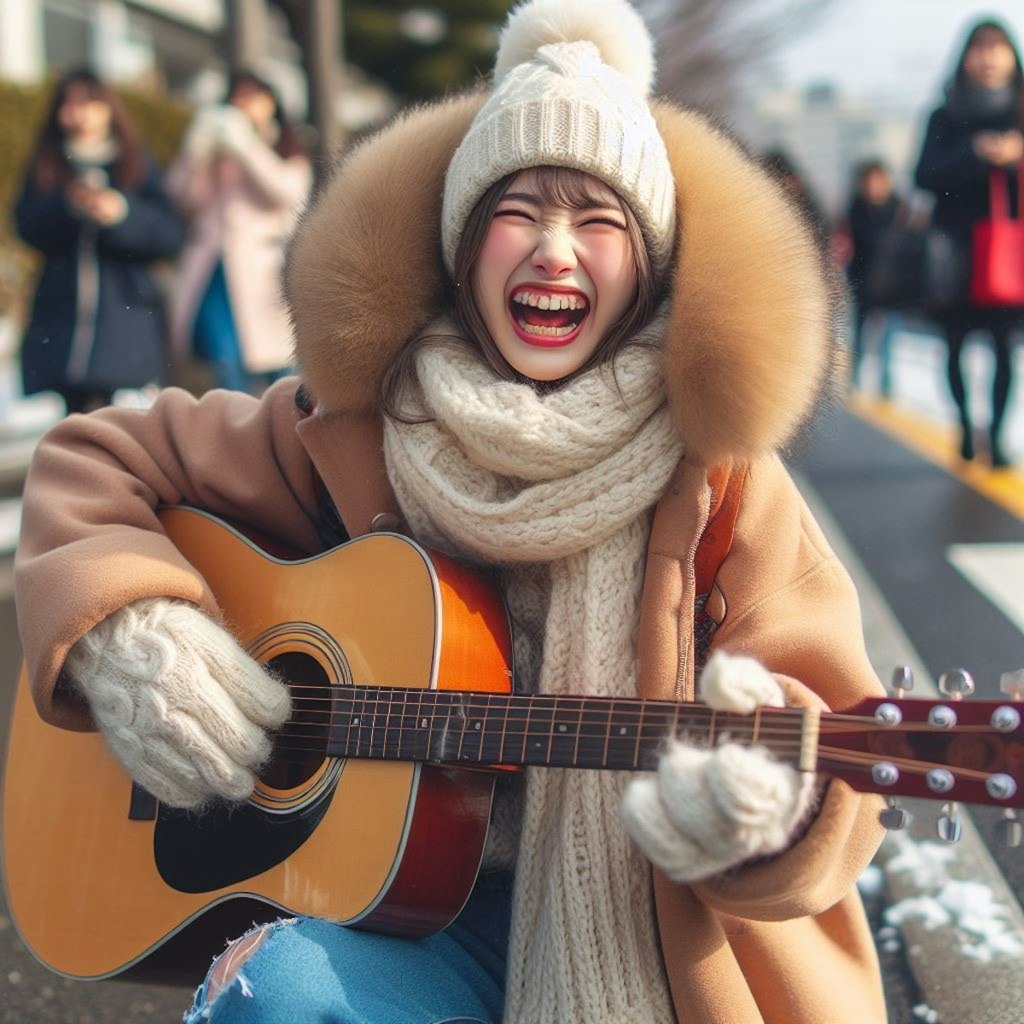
{"type": "Point", "coordinates": [570, 188]}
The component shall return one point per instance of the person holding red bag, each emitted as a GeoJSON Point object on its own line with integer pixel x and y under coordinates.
{"type": "Point", "coordinates": [979, 129]}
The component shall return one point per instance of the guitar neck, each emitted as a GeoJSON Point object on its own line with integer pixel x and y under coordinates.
{"type": "Point", "coordinates": [468, 728]}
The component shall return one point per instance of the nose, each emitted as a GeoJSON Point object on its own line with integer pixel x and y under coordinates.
{"type": "Point", "coordinates": [554, 255]}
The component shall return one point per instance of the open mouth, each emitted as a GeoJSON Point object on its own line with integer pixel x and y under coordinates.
{"type": "Point", "coordinates": [548, 318]}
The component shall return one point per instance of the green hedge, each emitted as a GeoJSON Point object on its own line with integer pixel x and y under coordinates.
{"type": "Point", "coordinates": [160, 121]}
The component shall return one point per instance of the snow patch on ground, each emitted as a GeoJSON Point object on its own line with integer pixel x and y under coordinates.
{"type": "Point", "coordinates": [982, 923]}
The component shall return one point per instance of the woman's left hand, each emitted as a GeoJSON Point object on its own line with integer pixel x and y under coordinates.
{"type": "Point", "coordinates": [708, 809]}
{"type": "Point", "coordinates": [105, 206]}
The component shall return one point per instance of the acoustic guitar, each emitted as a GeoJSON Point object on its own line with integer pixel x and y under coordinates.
{"type": "Point", "coordinates": [374, 809]}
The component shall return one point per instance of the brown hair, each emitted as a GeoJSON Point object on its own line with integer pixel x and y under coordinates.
{"type": "Point", "coordinates": [288, 143]}
{"type": "Point", "coordinates": [49, 166]}
{"type": "Point", "coordinates": [562, 186]}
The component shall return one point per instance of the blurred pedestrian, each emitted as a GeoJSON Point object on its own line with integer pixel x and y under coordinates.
{"type": "Point", "coordinates": [241, 178]}
{"type": "Point", "coordinates": [978, 128]}
{"type": "Point", "coordinates": [871, 212]}
{"type": "Point", "coordinates": [93, 203]}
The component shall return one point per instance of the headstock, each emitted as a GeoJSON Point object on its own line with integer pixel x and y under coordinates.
{"type": "Point", "coordinates": [951, 749]}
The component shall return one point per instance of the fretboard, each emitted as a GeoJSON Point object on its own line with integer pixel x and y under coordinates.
{"type": "Point", "coordinates": [456, 727]}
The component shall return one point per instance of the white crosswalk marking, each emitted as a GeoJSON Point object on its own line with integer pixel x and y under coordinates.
{"type": "Point", "coordinates": [997, 570]}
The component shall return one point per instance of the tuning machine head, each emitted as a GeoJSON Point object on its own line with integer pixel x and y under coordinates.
{"type": "Point", "coordinates": [948, 826]}
{"type": "Point", "coordinates": [1009, 832]}
{"type": "Point", "coordinates": [894, 818]}
{"type": "Point", "coordinates": [902, 681]}
{"type": "Point", "coordinates": [1012, 684]}
{"type": "Point", "coordinates": [957, 683]}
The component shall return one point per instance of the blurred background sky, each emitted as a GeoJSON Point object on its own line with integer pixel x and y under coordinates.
{"type": "Point", "coordinates": [895, 50]}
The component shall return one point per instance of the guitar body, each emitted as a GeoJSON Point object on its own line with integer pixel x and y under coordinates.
{"type": "Point", "coordinates": [99, 877]}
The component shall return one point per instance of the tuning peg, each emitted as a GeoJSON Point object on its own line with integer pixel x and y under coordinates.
{"type": "Point", "coordinates": [1012, 684]}
{"type": "Point", "coordinates": [1008, 830]}
{"type": "Point", "coordinates": [902, 680]}
{"type": "Point", "coordinates": [957, 683]}
{"type": "Point", "coordinates": [894, 818]}
{"type": "Point", "coordinates": [948, 825]}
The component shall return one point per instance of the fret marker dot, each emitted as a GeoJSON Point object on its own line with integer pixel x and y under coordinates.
{"type": "Point", "coordinates": [423, 723]}
{"type": "Point", "coordinates": [561, 728]}
{"type": "Point", "coordinates": [622, 730]}
{"type": "Point", "coordinates": [355, 721]}
{"type": "Point", "coordinates": [476, 725]}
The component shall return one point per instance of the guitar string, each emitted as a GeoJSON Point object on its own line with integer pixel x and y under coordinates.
{"type": "Point", "coordinates": [852, 758]}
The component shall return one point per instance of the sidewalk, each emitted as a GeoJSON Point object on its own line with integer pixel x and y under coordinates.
{"type": "Point", "coordinates": [948, 908]}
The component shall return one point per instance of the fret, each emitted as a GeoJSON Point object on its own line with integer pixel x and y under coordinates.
{"type": "Point", "coordinates": [420, 728]}
{"type": "Point", "coordinates": [757, 725]}
{"type": "Point", "coordinates": [579, 729]}
{"type": "Point", "coordinates": [592, 744]}
{"type": "Point", "coordinates": [473, 725]}
{"type": "Point", "coordinates": [387, 724]}
{"type": "Point", "coordinates": [526, 730]}
{"type": "Point", "coordinates": [564, 730]}
{"type": "Point", "coordinates": [540, 732]}
{"type": "Point", "coordinates": [504, 726]}
{"type": "Point", "coordinates": [639, 734]}
{"type": "Point", "coordinates": [401, 728]}
{"type": "Point", "coordinates": [623, 735]}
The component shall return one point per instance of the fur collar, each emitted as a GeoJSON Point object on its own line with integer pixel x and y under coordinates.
{"type": "Point", "coordinates": [749, 343]}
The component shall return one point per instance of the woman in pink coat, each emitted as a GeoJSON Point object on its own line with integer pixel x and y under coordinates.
{"type": "Point", "coordinates": [241, 177]}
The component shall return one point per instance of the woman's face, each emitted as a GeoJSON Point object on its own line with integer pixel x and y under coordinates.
{"type": "Point", "coordinates": [81, 115]}
{"type": "Point", "coordinates": [551, 281]}
{"type": "Point", "coordinates": [989, 61]}
{"type": "Point", "coordinates": [256, 103]}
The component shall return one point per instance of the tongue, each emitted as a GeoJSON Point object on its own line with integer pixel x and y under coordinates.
{"type": "Point", "coordinates": [547, 317]}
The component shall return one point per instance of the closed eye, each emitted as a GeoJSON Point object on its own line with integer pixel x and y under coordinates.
{"type": "Point", "coordinates": [609, 221]}
{"type": "Point", "coordinates": [513, 213]}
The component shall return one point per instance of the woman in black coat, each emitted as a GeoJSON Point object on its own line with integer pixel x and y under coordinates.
{"type": "Point", "coordinates": [978, 129]}
{"type": "Point", "coordinates": [93, 204]}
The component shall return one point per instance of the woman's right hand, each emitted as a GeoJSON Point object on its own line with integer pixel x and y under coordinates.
{"type": "Point", "coordinates": [178, 701]}
{"type": "Point", "coordinates": [1001, 149]}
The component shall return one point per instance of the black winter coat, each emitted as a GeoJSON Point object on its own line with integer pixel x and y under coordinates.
{"type": "Point", "coordinates": [97, 320]}
{"type": "Point", "coordinates": [868, 223]}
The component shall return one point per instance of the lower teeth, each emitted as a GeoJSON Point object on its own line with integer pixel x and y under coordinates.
{"type": "Point", "coordinates": [551, 332]}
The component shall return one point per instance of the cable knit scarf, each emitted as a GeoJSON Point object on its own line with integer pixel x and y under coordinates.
{"type": "Point", "coordinates": [556, 489]}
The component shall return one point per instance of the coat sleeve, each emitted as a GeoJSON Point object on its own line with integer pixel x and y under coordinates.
{"type": "Point", "coordinates": [45, 220]}
{"type": "Point", "coordinates": [947, 160]}
{"type": "Point", "coordinates": [801, 619]}
{"type": "Point", "coordinates": [152, 229]}
{"type": "Point", "coordinates": [91, 541]}
{"type": "Point", "coordinates": [283, 182]}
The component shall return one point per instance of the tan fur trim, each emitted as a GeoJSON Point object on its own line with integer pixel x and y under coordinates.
{"type": "Point", "coordinates": [750, 335]}
{"type": "Point", "coordinates": [364, 270]}
{"type": "Point", "coordinates": [749, 346]}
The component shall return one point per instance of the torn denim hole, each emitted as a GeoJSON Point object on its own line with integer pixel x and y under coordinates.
{"type": "Point", "coordinates": [226, 970]}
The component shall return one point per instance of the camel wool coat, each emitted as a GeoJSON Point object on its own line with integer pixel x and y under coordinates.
{"type": "Point", "coordinates": [748, 349]}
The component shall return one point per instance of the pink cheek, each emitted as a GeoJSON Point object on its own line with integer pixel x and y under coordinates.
{"type": "Point", "coordinates": [503, 246]}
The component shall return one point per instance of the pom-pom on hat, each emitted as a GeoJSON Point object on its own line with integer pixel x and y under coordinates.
{"type": "Point", "coordinates": [571, 82]}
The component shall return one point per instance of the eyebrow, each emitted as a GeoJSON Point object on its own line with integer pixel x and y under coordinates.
{"type": "Point", "coordinates": [535, 200]}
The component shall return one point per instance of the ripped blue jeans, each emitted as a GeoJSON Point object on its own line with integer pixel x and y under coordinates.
{"type": "Point", "coordinates": [308, 971]}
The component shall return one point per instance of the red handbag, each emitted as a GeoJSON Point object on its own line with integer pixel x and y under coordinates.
{"type": "Point", "coordinates": [997, 255]}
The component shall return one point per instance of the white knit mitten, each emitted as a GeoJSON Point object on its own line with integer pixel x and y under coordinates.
{"type": "Point", "coordinates": [179, 703]}
{"type": "Point", "coordinates": [706, 810]}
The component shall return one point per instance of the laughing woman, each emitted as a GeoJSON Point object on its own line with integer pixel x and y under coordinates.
{"type": "Point", "coordinates": [546, 327]}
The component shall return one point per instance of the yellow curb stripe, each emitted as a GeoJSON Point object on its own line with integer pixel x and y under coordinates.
{"type": "Point", "coordinates": [939, 443]}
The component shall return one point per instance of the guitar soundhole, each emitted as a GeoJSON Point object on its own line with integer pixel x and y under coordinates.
{"type": "Point", "coordinates": [301, 747]}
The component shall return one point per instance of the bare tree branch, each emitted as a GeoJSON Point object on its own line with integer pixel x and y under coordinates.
{"type": "Point", "coordinates": [706, 47]}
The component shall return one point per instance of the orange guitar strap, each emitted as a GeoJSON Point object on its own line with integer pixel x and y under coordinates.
{"type": "Point", "coordinates": [726, 490]}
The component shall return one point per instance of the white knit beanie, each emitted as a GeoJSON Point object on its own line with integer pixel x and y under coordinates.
{"type": "Point", "coordinates": [571, 83]}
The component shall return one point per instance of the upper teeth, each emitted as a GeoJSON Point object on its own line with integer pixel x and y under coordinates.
{"type": "Point", "coordinates": [528, 298]}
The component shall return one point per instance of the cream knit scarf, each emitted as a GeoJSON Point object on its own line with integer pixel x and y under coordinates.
{"type": "Point", "coordinates": [556, 489]}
